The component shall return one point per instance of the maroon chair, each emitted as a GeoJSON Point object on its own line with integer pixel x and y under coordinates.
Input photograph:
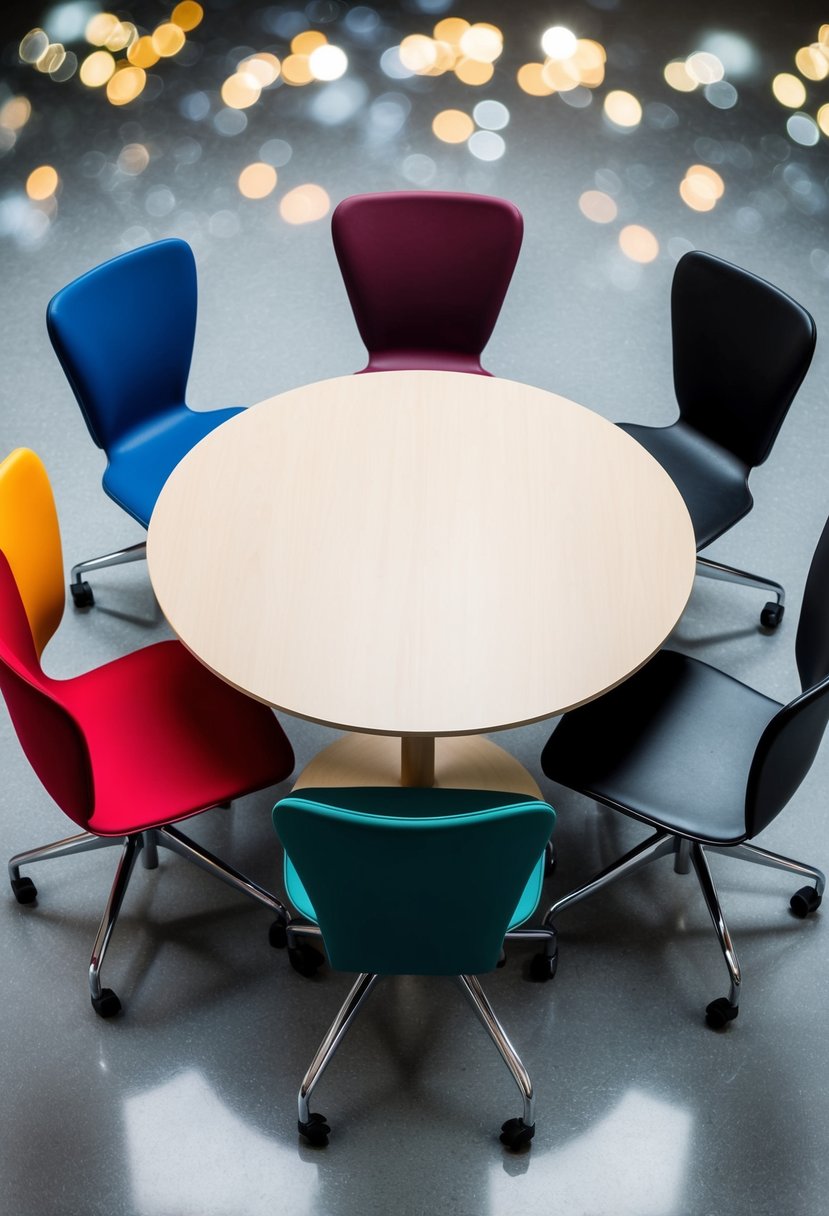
{"type": "Point", "coordinates": [426, 273]}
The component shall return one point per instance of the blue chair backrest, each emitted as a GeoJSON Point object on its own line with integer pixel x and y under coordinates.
{"type": "Point", "coordinates": [124, 335]}
{"type": "Point", "coordinates": [413, 881]}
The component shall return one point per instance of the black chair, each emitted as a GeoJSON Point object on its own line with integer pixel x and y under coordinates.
{"type": "Point", "coordinates": [705, 760]}
{"type": "Point", "coordinates": [741, 349]}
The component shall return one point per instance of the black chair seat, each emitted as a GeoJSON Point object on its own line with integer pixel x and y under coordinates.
{"type": "Point", "coordinates": [712, 481]}
{"type": "Point", "coordinates": [672, 746]}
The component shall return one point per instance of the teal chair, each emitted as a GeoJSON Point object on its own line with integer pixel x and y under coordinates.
{"type": "Point", "coordinates": [413, 882]}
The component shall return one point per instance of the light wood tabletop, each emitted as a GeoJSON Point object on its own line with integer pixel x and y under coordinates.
{"type": "Point", "coordinates": [421, 554]}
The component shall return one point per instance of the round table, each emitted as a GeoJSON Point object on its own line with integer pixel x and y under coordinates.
{"type": "Point", "coordinates": [421, 554]}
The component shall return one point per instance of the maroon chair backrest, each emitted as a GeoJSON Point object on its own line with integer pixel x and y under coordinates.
{"type": "Point", "coordinates": [426, 274]}
{"type": "Point", "coordinates": [49, 735]}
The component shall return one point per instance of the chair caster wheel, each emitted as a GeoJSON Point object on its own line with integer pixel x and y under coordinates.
{"type": "Point", "coordinates": [720, 1012]}
{"type": "Point", "coordinates": [772, 615]}
{"type": "Point", "coordinates": [803, 902]}
{"type": "Point", "coordinates": [549, 859]}
{"type": "Point", "coordinates": [107, 1004]}
{"type": "Point", "coordinates": [543, 968]}
{"type": "Point", "coordinates": [82, 596]}
{"type": "Point", "coordinates": [25, 891]}
{"type": "Point", "coordinates": [305, 959]}
{"type": "Point", "coordinates": [278, 935]}
{"type": "Point", "coordinates": [516, 1134]}
{"type": "Point", "coordinates": [315, 1130]}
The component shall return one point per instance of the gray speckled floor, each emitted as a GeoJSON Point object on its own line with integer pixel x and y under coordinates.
{"type": "Point", "coordinates": [185, 1105]}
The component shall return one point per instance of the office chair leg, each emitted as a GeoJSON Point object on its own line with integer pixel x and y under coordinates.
{"type": "Point", "coordinates": [313, 1127]}
{"type": "Point", "coordinates": [149, 850]}
{"type": "Point", "coordinates": [804, 901]}
{"type": "Point", "coordinates": [515, 1133]}
{"type": "Point", "coordinates": [725, 1009]}
{"type": "Point", "coordinates": [81, 591]}
{"type": "Point", "coordinates": [544, 966]}
{"type": "Point", "coordinates": [682, 855]}
{"type": "Point", "coordinates": [772, 613]}
{"type": "Point", "coordinates": [104, 1001]}
{"type": "Point", "coordinates": [25, 891]}
{"type": "Point", "coordinates": [170, 838]}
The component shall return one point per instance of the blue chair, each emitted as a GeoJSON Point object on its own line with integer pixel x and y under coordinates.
{"type": "Point", "coordinates": [124, 335]}
{"type": "Point", "coordinates": [413, 882]}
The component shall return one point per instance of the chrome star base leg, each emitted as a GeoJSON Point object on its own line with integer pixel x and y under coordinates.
{"type": "Point", "coordinates": [81, 591]}
{"type": "Point", "coordinates": [772, 613]}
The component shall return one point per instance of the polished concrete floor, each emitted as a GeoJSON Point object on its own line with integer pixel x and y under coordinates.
{"type": "Point", "coordinates": [185, 1105]}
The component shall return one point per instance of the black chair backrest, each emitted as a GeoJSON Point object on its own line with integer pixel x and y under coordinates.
{"type": "Point", "coordinates": [790, 742]}
{"type": "Point", "coordinates": [741, 349]}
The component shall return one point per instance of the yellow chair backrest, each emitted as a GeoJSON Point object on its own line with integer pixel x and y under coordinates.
{"type": "Point", "coordinates": [30, 539]}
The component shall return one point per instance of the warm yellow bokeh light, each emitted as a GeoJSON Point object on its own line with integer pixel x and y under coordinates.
{"type": "Point", "coordinates": [142, 53]}
{"type": "Point", "coordinates": [296, 70]}
{"type": "Point", "coordinates": [453, 126]}
{"type": "Point", "coordinates": [307, 41]}
{"type": "Point", "coordinates": [678, 77]}
{"type": "Point", "coordinates": [558, 42]}
{"type": "Point", "coordinates": [704, 68]}
{"type": "Point", "coordinates": [125, 85]}
{"type": "Point", "coordinates": [257, 180]}
{"type": "Point", "coordinates": [240, 90]}
{"type": "Point", "coordinates": [812, 62]}
{"type": "Point", "coordinates": [598, 207]}
{"type": "Point", "coordinates": [445, 58]}
{"type": "Point", "coordinates": [304, 204]}
{"type": "Point", "coordinates": [168, 39]}
{"type": "Point", "coordinates": [706, 180]}
{"type": "Point", "coordinates": [52, 57]}
{"type": "Point", "coordinates": [483, 42]}
{"type": "Point", "coordinates": [42, 183]}
{"type": "Point", "coordinates": [589, 60]}
{"type": "Point", "coordinates": [474, 71]}
{"type": "Point", "coordinates": [789, 90]}
{"type": "Point", "coordinates": [693, 198]}
{"type": "Point", "coordinates": [32, 45]}
{"type": "Point", "coordinates": [530, 77]}
{"type": "Point", "coordinates": [187, 15]}
{"type": "Point", "coordinates": [622, 108]}
{"type": "Point", "coordinates": [15, 113]}
{"type": "Point", "coordinates": [638, 243]}
{"type": "Point", "coordinates": [561, 75]}
{"type": "Point", "coordinates": [123, 35]}
{"type": "Point", "coordinates": [100, 27]}
{"type": "Point", "coordinates": [822, 118]}
{"type": "Point", "coordinates": [451, 30]}
{"type": "Point", "coordinates": [96, 69]}
{"type": "Point", "coordinates": [264, 66]}
{"type": "Point", "coordinates": [418, 53]}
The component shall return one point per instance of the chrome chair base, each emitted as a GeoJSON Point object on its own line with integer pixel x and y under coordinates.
{"type": "Point", "coordinates": [104, 1000]}
{"type": "Point", "coordinates": [772, 613]}
{"type": "Point", "coordinates": [314, 1128]}
{"type": "Point", "coordinates": [81, 591]}
{"type": "Point", "coordinates": [689, 854]}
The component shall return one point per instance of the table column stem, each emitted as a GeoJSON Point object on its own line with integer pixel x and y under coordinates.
{"type": "Point", "coordinates": [417, 760]}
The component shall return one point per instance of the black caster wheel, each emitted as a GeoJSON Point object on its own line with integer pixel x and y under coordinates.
{"type": "Point", "coordinates": [772, 615]}
{"type": "Point", "coordinates": [82, 596]}
{"type": "Point", "coordinates": [107, 1004]}
{"type": "Point", "coordinates": [25, 891]}
{"type": "Point", "coordinates": [549, 859]}
{"type": "Point", "coordinates": [315, 1130]}
{"type": "Point", "coordinates": [720, 1012]}
{"type": "Point", "coordinates": [803, 902]}
{"type": "Point", "coordinates": [517, 1134]}
{"type": "Point", "coordinates": [305, 959]}
{"type": "Point", "coordinates": [543, 968]}
{"type": "Point", "coordinates": [278, 935]}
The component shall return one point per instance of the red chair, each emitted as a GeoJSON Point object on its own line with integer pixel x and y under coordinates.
{"type": "Point", "coordinates": [426, 273]}
{"type": "Point", "coordinates": [130, 748]}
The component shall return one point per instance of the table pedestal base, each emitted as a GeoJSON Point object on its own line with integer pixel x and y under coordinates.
{"type": "Point", "coordinates": [461, 762]}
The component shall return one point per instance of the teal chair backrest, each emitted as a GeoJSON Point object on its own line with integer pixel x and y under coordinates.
{"type": "Point", "coordinates": [413, 881]}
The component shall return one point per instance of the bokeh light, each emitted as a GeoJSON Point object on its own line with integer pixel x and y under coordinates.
{"type": "Point", "coordinates": [558, 42]}
{"type": "Point", "coordinates": [142, 53]}
{"type": "Point", "coordinates": [623, 109]}
{"type": "Point", "coordinates": [296, 69]}
{"type": "Point", "coordinates": [789, 90]}
{"type": "Point", "coordinates": [125, 85]}
{"type": "Point", "coordinates": [168, 39]}
{"type": "Point", "coordinates": [597, 206]}
{"type": "Point", "coordinates": [452, 126]}
{"type": "Point", "coordinates": [474, 71]}
{"type": "Point", "coordinates": [42, 183]}
{"type": "Point", "coordinates": [491, 115]}
{"type": "Point", "coordinates": [638, 243]}
{"type": "Point", "coordinates": [257, 180]}
{"type": "Point", "coordinates": [531, 80]}
{"type": "Point", "coordinates": [678, 77]}
{"type": "Point", "coordinates": [803, 129]}
{"type": "Point", "coordinates": [33, 45]}
{"type": "Point", "coordinates": [187, 15]}
{"type": "Point", "coordinates": [704, 68]}
{"type": "Point", "coordinates": [15, 113]}
{"type": "Point", "coordinates": [487, 145]}
{"type": "Point", "coordinates": [812, 61]}
{"type": "Point", "coordinates": [96, 69]}
{"type": "Point", "coordinates": [304, 204]}
{"type": "Point", "coordinates": [327, 62]}
{"type": "Point", "coordinates": [822, 117]}
{"type": "Point", "coordinates": [133, 159]}
{"type": "Point", "coordinates": [701, 188]}
{"type": "Point", "coordinates": [264, 66]}
{"type": "Point", "coordinates": [483, 42]}
{"type": "Point", "coordinates": [307, 41]}
{"type": "Point", "coordinates": [240, 90]}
